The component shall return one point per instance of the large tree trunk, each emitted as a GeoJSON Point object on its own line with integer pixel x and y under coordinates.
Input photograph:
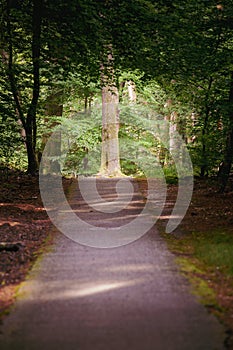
{"type": "Point", "coordinates": [110, 157]}
{"type": "Point", "coordinates": [225, 168]}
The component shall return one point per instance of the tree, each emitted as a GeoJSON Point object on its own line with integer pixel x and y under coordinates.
{"type": "Point", "coordinates": [197, 48]}
{"type": "Point", "coordinates": [225, 168]}
{"type": "Point", "coordinates": [110, 158]}
{"type": "Point", "coordinates": [66, 35]}
{"type": "Point", "coordinates": [186, 46]}
{"type": "Point", "coordinates": [28, 118]}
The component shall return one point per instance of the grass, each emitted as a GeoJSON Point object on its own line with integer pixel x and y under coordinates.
{"type": "Point", "coordinates": [216, 250]}
{"type": "Point", "coordinates": [213, 249]}
{"type": "Point", "coordinates": [206, 259]}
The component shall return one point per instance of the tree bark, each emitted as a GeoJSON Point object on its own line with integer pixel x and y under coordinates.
{"type": "Point", "coordinates": [53, 107]}
{"type": "Point", "coordinates": [204, 165]}
{"type": "Point", "coordinates": [132, 91]}
{"type": "Point", "coordinates": [204, 160]}
{"type": "Point", "coordinates": [110, 156]}
{"type": "Point", "coordinates": [31, 125]}
{"type": "Point", "coordinates": [225, 168]}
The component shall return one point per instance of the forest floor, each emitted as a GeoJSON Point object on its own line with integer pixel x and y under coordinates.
{"type": "Point", "coordinates": [203, 243]}
{"type": "Point", "coordinates": [25, 231]}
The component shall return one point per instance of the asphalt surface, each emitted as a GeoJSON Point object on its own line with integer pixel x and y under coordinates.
{"type": "Point", "coordinates": [126, 298]}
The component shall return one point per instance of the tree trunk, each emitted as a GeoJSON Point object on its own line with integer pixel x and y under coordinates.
{"type": "Point", "coordinates": [172, 132]}
{"type": "Point", "coordinates": [204, 155]}
{"type": "Point", "coordinates": [31, 124]}
{"type": "Point", "coordinates": [225, 168]}
{"type": "Point", "coordinates": [169, 135]}
{"type": "Point", "coordinates": [53, 107]}
{"type": "Point", "coordinates": [163, 155]}
{"type": "Point", "coordinates": [110, 157]}
{"type": "Point", "coordinates": [132, 91]}
{"type": "Point", "coordinates": [31, 153]}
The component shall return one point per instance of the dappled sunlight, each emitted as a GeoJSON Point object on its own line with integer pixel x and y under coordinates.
{"type": "Point", "coordinates": [130, 267]}
{"type": "Point", "coordinates": [7, 294]}
{"type": "Point", "coordinates": [125, 217]}
{"type": "Point", "coordinates": [168, 217]}
{"type": "Point", "coordinates": [20, 206]}
{"type": "Point", "coordinates": [85, 209]}
{"type": "Point", "coordinates": [53, 291]}
{"type": "Point", "coordinates": [112, 196]}
{"type": "Point", "coordinates": [107, 203]}
{"type": "Point", "coordinates": [92, 289]}
{"type": "Point", "coordinates": [15, 214]}
{"type": "Point", "coordinates": [10, 223]}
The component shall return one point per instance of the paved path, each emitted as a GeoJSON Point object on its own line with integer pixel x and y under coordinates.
{"type": "Point", "coordinates": [126, 298]}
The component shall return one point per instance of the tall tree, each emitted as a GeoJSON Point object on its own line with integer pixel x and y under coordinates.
{"type": "Point", "coordinates": [26, 114]}
{"type": "Point", "coordinates": [196, 47]}
{"type": "Point", "coordinates": [110, 158]}
{"type": "Point", "coordinates": [226, 165]}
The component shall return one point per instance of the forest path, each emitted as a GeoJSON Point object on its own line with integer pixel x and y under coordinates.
{"type": "Point", "coordinates": [127, 298]}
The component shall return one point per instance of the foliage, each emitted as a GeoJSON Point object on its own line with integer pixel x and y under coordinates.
{"type": "Point", "coordinates": [179, 55]}
{"type": "Point", "coordinates": [12, 151]}
{"type": "Point", "coordinates": [80, 139]}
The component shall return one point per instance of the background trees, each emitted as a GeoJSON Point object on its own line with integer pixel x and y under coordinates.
{"type": "Point", "coordinates": [178, 55]}
{"type": "Point", "coordinates": [200, 66]}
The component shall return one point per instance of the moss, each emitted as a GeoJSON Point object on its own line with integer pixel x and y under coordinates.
{"type": "Point", "coordinates": [199, 272]}
{"type": "Point", "coordinates": [199, 284]}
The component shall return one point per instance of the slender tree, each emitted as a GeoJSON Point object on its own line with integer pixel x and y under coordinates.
{"type": "Point", "coordinates": [27, 119]}
{"type": "Point", "coordinates": [225, 168]}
